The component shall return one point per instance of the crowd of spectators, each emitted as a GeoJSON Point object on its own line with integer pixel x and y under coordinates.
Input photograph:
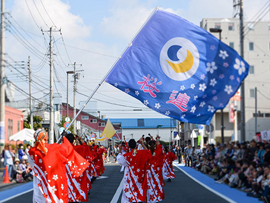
{"type": "Point", "coordinates": [244, 166]}
{"type": "Point", "coordinates": [16, 160]}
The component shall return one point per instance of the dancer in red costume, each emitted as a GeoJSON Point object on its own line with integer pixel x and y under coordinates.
{"type": "Point", "coordinates": [155, 184]}
{"type": "Point", "coordinates": [169, 157]}
{"type": "Point", "coordinates": [49, 167]}
{"type": "Point", "coordinates": [134, 181]}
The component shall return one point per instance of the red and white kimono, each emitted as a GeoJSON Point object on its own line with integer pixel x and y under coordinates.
{"type": "Point", "coordinates": [50, 181]}
{"type": "Point", "coordinates": [134, 180]}
{"type": "Point", "coordinates": [79, 186]}
{"type": "Point", "coordinates": [168, 173]}
{"type": "Point", "coordinates": [155, 191]}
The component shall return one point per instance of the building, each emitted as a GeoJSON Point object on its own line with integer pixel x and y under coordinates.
{"type": "Point", "coordinates": [136, 127]}
{"type": "Point", "coordinates": [88, 123]}
{"type": "Point", "coordinates": [257, 54]}
{"type": "Point", "coordinates": [13, 122]}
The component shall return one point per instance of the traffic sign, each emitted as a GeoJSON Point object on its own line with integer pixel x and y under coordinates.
{"type": "Point", "coordinates": [67, 119]}
{"type": "Point", "coordinates": [61, 130]}
{"type": "Point", "coordinates": [66, 125]}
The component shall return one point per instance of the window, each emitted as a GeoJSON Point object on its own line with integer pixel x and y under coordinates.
{"type": "Point", "coordinates": [231, 44]}
{"type": "Point", "coordinates": [230, 26]}
{"type": "Point", "coordinates": [217, 25]}
{"type": "Point", "coordinates": [259, 114]}
{"type": "Point", "coordinates": [250, 26]}
{"type": "Point", "coordinates": [101, 124]}
{"type": "Point", "coordinates": [252, 93]}
{"type": "Point", "coordinates": [93, 120]}
{"type": "Point", "coordinates": [251, 46]}
{"type": "Point", "coordinates": [85, 117]}
{"type": "Point", "coordinates": [267, 115]}
{"type": "Point", "coordinates": [251, 69]}
{"type": "Point", "coordinates": [19, 126]}
{"type": "Point", "coordinates": [10, 127]}
{"type": "Point", "coordinates": [140, 122]}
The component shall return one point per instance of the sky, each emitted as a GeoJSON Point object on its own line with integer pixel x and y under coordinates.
{"type": "Point", "coordinates": [93, 34]}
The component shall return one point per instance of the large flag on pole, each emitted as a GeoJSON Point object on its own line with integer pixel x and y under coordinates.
{"type": "Point", "coordinates": [107, 133]}
{"type": "Point", "coordinates": [178, 69]}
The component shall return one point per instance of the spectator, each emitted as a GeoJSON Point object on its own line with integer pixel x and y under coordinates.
{"type": "Point", "coordinates": [229, 152]}
{"type": "Point", "coordinates": [27, 149]}
{"type": "Point", "coordinates": [25, 171]}
{"type": "Point", "coordinates": [188, 156]}
{"type": "Point", "coordinates": [17, 172]}
{"type": "Point", "coordinates": [8, 159]}
{"type": "Point", "coordinates": [251, 150]}
{"type": "Point", "coordinates": [266, 156]}
{"type": "Point", "coordinates": [260, 153]}
{"type": "Point", "coordinates": [21, 153]}
{"type": "Point", "coordinates": [179, 154]}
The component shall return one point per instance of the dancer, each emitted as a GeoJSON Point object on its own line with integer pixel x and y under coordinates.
{"type": "Point", "coordinates": [169, 157]}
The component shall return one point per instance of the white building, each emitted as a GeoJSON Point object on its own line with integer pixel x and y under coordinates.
{"type": "Point", "coordinates": [257, 54]}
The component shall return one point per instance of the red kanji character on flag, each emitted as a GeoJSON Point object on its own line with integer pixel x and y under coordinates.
{"type": "Point", "coordinates": [150, 87]}
{"type": "Point", "coordinates": [181, 100]}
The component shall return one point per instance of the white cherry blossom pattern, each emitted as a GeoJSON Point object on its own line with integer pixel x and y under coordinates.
{"type": "Point", "coordinates": [192, 86]}
{"type": "Point", "coordinates": [127, 90]}
{"type": "Point", "coordinates": [214, 91]}
{"type": "Point", "coordinates": [167, 113]}
{"type": "Point", "coordinates": [54, 189]}
{"type": "Point", "coordinates": [211, 67]}
{"type": "Point", "coordinates": [211, 109]}
{"type": "Point", "coordinates": [137, 93]}
{"type": "Point", "coordinates": [182, 87]}
{"type": "Point", "coordinates": [145, 102]}
{"type": "Point", "coordinates": [213, 82]}
{"type": "Point", "coordinates": [221, 76]}
{"type": "Point", "coordinates": [223, 54]}
{"type": "Point", "coordinates": [225, 64]}
{"type": "Point", "coordinates": [202, 76]}
{"type": "Point", "coordinates": [62, 186]}
{"type": "Point", "coordinates": [193, 109]}
{"type": "Point", "coordinates": [55, 177]}
{"type": "Point", "coordinates": [215, 98]}
{"type": "Point", "coordinates": [157, 105]}
{"type": "Point", "coordinates": [228, 89]}
{"type": "Point", "coordinates": [232, 77]}
{"type": "Point", "coordinates": [195, 97]}
{"type": "Point", "coordinates": [115, 84]}
{"type": "Point", "coordinates": [240, 66]}
{"type": "Point", "coordinates": [212, 47]}
{"type": "Point", "coordinates": [202, 104]}
{"type": "Point", "coordinates": [202, 87]}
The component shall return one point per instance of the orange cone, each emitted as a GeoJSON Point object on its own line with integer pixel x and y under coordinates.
{"type": "Point", "coordinates": [6, 179]}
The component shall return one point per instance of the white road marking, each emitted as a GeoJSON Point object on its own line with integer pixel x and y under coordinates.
{"type": "Point", "coordinates": [102, 177]}
{"type": "Point", "coordinates": [16, 195]}
{"type": "Point", "coordinates": [118, 192]}
{"type": "Point", "coordinates": [208, 188]}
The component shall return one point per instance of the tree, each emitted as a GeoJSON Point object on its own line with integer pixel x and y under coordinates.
{"type": "Point", "coordinates": [36, 122]}
{"type": "Point", "coordinates": [62, 122]}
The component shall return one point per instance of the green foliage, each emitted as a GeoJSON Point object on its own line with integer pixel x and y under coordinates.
{"type": "Point", "coordinates": [163, 143]}
{"type": "Point", "coordinates": [62, 122]}
{"type": "Point", "coordinates": [36, 122]}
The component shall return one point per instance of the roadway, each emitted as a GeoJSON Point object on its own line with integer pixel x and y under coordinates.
{"type": "Point", "coordinates": [106, 189]}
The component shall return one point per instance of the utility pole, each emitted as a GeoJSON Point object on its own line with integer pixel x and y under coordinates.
{"type": "Point", "coordinates": [2, 81]}
{"type": "Point", "coordinates": [30, 93]}
{"type": "Point", "coordinates": [74, 99]}
{"type": "Point", "coordinates": [243, 124]}
{"type": "Point", "coordinates": [256, 110]}
{"type": "Point", "coordinates": [51, 91]}
{"type": "Point", "coordinates": [68, 72]}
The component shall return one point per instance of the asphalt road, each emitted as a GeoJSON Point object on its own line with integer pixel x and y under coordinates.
{"type": "Point", "coordinates": [181, 189]}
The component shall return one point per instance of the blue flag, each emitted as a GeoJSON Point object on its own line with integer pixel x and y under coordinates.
{"type": "Point", "coordinates": [178, 69]}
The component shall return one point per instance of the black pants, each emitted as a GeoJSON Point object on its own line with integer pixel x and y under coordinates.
{"type": "Point", "coordinates": [179, 159]}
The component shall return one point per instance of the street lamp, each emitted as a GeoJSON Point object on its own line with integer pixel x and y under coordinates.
{"type": "Point", "coordinates": [218, 30]}
{"type": "Point", "coordinates": [68, 72]}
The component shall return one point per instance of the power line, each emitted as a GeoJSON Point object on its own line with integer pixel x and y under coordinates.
{"type": "Point", "coordinates": [263, 95]}
{"type": "Point", "coordinates": [40, 14]}
{"type": "Point", "coordinates": [31, 14]}
{"type": "Point", "coordinates": [109, 102]}
{"type": "Point", "coordinates": [47, 13]}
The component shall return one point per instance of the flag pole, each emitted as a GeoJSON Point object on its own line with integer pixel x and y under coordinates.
{"type": "Point", "coordinates": [103, 79]}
